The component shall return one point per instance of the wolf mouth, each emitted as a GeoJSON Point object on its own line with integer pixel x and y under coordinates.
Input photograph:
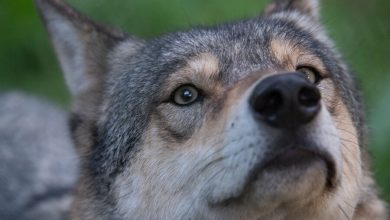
{"type": "Point", "coordinates": [298, 157]}
{"type": "Point", "coordinates": [292, 157]}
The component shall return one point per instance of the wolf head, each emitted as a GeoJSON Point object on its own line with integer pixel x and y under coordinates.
{"type": "Point", "coordinates": [256, 119]}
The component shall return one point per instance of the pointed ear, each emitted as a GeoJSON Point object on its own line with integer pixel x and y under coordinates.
{"type": "Point", "coordinates": [81, 45]}
{"type": "Point", "coordinates": [83, 48]}
{"type": "Point", "coordinates": [307, 7]}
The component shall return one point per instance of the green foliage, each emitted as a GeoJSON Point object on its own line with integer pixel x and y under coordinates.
{"type": "Point", "coordinates": [360, 28]}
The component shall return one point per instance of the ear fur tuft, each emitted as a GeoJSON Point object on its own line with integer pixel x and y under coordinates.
{"type": "Point", "coordinates": [307, 7]}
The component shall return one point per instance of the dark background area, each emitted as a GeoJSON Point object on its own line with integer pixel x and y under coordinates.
{"type": "Point", "coordinates": [360, 28]}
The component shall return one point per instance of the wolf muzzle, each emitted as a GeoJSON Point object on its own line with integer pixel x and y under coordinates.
{"type": "Point", "coordinates": [285, 100]}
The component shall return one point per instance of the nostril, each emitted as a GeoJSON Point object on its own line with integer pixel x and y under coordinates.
{"type": "Point", "coordinates": [285, 101]}
{"type": "Point", "coordinates": [268, 103]}
{"type": "Point", "coordinates": [309, 97]}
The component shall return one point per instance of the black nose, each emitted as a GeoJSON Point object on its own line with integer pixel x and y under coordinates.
{"type": "Point", "coordinates": [286, 100]}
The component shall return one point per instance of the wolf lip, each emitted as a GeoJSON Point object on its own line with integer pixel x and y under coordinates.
{"type": "Point", "coordinates": [301, 157]}
{"type": "Point", "coordinates": [290, 158]}
{"type": "Point", "coordinates": [294, 157]}
{"type": "Point", "coordinates": [297, 157]}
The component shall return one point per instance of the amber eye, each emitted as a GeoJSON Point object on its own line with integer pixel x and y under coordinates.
{"type": "Point", "coordinates": [311, 74]}
{"type": "Point", "coordinates": [185, 95]}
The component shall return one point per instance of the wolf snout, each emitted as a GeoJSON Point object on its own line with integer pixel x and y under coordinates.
{"type": "Point", "coordinates": [285, 100]}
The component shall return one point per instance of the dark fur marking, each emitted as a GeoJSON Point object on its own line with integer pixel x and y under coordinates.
{"type": "Point", "coordinates": [50, 194]}
{"type": "Point", "coordinates": [74, 122]}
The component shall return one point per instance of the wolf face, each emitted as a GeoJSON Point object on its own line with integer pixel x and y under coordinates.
{"type": "Point", "coordinates": [256, 119]}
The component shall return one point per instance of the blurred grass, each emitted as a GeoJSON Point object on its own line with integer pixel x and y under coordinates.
{"type": "Point", "coordinates": [360, 28]}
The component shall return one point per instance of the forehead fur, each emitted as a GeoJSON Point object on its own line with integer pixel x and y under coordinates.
{"type": "Point", "coordinates": [240, 47]}
{"type": "Point", "coordinates": [292, 55]}
{"type": "Point", "coordinates": [205, 64]}
{"type": "Point", "coordinates": [202, 69]}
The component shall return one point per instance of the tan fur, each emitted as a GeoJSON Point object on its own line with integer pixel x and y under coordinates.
{"type": "Point", "coordinates": [201, 70]}
{"type": "Point", "coordinates": [292, 56]}
{"type": "Point", "coordinates": [351, 182]}
{"type": "Point", "coordinates": [206, 64]}
{"type": "Point", "coordinates": [357, 184]}
{"type": "Point", "coordinates": [370, 206]}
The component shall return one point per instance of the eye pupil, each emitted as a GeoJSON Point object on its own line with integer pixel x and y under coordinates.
{"type": "Point", "coordinates": [186, 95]}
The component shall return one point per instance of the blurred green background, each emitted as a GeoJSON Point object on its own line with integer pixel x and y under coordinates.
{"type": "Point", "coordinates": [360, 28]}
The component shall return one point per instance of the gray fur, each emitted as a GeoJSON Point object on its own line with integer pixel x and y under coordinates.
{"type": "Point", "coordinates": [38, 165]}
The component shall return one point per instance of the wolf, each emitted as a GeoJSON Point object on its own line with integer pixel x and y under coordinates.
{"type": "Point", "coordinates": [255, 119]}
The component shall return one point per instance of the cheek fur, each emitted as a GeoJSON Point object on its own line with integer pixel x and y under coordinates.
{"type": "Point", "coordinates": [177, 122]}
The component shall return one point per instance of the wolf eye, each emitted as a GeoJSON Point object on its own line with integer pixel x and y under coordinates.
{"type": "Point", "coordinates": [311, 74]}
{"type": "Point", "coordinates": [185, 95]}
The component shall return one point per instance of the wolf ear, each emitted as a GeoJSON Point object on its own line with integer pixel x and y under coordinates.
{"type": "Point", "coordinates": [80, 44]}
{"type": "Point", "coordinates": [307, 7]}
{"type": "Point", "coordinates": [83, 48]}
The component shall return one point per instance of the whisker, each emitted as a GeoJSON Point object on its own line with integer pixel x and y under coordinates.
{"type": "Point", "coordinates": [345, 213]}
